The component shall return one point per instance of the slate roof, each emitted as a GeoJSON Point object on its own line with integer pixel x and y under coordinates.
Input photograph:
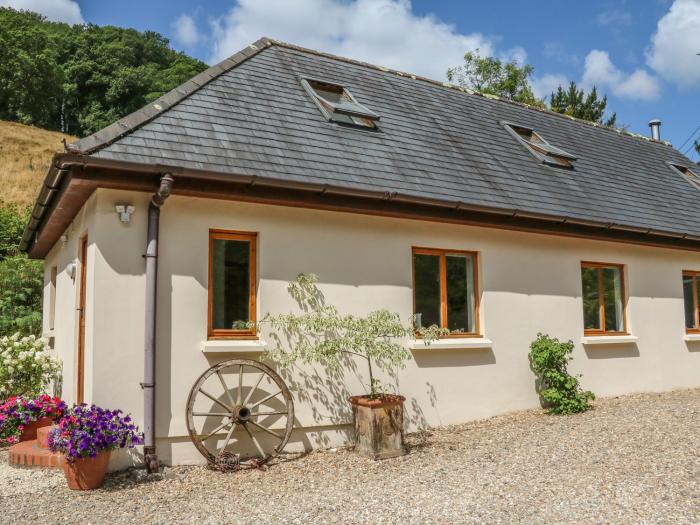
{"type": "Point", "coordinates": [250, 115]}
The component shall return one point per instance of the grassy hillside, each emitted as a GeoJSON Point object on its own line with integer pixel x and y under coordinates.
{"type": "Point", "coordinates": [25, 155]}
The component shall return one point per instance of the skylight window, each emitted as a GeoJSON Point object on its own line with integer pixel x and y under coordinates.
{"type": "Point", "coordinates": [692, 175]}
{"type": "Point", "coordinates": [338, 105]}
{"type": "Point", "coordinates": [540, 148]}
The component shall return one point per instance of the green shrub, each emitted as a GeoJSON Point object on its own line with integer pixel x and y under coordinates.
{"type": "Point", "coordinates": [559, 391]}
{"type": "Point", "coordinates": [26, 366]}
{"type": "Point", "coordinates": [21, 282]}
{"type": "Point", "coordinates": [12, 221]}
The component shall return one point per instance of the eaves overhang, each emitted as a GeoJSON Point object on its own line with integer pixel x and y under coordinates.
{"type": "Point", "coordinates": [72, 178]}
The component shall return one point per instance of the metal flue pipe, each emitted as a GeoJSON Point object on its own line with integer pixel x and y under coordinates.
{"type": "Point", "coordinates": [655, 126]}
{"type": "Point", "coordinates": [149, 369]}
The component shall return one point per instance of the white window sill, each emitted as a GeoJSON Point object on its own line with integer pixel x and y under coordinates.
{"type": "Point", "coordinates": [692, 337]}
{"type": "Point", "coordinates": [441, 344]}
{"type": "Point", "coordinates": [232, 346]}
{"type": "Point", "coordinates": [609, 339]}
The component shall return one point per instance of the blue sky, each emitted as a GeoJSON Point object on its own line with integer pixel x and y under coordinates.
{"type": "Point", "coordinates": [642, 54]}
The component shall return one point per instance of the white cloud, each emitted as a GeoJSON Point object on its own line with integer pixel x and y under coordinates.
{"type": "Point", "coordinates": [547, 84]}
{"type": "Point", "coordinates": [185, 30]}
{"type": "Point", "coordinates": [55, 10]}
{"type": "Point", "coordinates": [615, 17]}
{"type": "Point", "coordinates": [517, 54]}
{"type": "Point", "coordinates": [383, 32]}
{"type": "Point", "coordinates": [600, 71]}
{"type": "Point", "coordinates": [557, 51]}
{"type": "Point", "coordinates": [674, 46]}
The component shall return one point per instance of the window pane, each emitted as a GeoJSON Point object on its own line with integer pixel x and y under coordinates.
{"type": "Point", "coordinates": [231, 285]}
{"type": "Point", "coordinates": [689, 300]}
{"type": "Point", "coordinates": [460, 293]}
{"type": "Point", "coordinates": [612, 291]}
{"type": "Point", "coordinates": [591, 299]}
{"type": "Point", "coordinates": [427, 289]}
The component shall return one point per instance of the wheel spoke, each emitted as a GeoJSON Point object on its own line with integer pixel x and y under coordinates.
{"type": "Point", "coordinates": [223, 384]}
{"type": "Point", "coordinates": [250, 394]}
{"type": "Point", "coordinates": [264, 400]}
{"type": "Point", "coordinates": [255, 441]}
{"type": "Point", "coordinates": [228, 437]}
{"type": "Point", "coordinates": [239, 394]}
{"type": "Point", "coordinates": [215, 400]}
{"type": "Point", "coordinates": [222, 425]}
{"type": "Point", "coordinates": [214, 425]}
{"type": "Point", "coordinates": [266, 430]}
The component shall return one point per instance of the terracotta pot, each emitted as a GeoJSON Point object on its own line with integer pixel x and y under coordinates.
{"type": "Point", "coordinates": [86, 473]}
{"type": "Point", "coordinates": [378, 425]}
{"type": "Point", "coordinates": [30, 429]}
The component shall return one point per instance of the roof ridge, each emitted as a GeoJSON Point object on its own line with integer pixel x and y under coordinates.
{"type": "Point", "coordinates": [454, 87]}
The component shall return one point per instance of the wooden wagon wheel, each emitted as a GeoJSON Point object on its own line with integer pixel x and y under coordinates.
{"type": "Point", "coordinates": [241, 407]}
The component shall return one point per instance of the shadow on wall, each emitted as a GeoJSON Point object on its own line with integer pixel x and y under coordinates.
{"type": "Point", "coordinates": [453, 358]}
{"type": "Point", "coordinates": [613, 351]}
{"type": "Point", "coordinates": [693, 346]}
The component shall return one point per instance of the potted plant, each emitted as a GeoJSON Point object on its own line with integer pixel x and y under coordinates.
{"type": "Point", "coordinates": [86, 435]}
{"type": "Point", "coordinates": [322, 334]}
{"type": "Point", "coordinates": [21, 417]}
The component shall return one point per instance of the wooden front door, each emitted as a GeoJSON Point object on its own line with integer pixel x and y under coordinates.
{"type": "Point", "coordinates": [80, 377]}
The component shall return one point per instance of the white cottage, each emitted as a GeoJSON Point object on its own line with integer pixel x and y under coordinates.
{"type": "Point", "coordinates": [489, 218]}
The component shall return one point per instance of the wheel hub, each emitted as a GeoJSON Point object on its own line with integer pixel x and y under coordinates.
{"type": "Point", "coordinates": [240, 413]}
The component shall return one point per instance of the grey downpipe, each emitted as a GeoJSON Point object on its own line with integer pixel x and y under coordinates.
{"type": "Point", "coordinates": [149, 369]}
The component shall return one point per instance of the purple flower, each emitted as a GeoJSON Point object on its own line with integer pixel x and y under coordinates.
{"type": "Point", "coordinates": [86, 431]}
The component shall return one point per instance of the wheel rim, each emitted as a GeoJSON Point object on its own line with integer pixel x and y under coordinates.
{"type": "Point", "coordinates": [239, 406]}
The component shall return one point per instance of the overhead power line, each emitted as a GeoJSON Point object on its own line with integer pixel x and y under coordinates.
{"type": "Point", "coordinates": [689, 138]}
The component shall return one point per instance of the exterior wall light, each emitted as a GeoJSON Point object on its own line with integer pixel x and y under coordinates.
{"type": "Point", "coordinates": [124, 212]}
{"type": "Point", "coordinates": [70, 270]}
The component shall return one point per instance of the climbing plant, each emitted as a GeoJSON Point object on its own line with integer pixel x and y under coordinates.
{"type": "Point", "coordinates": [559, 390]}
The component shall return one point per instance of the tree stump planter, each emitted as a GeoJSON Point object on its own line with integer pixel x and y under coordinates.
{"type": "Point", "coordinates": [29, 432]}
{"type": "Point", "coordinates": [86, 473]}
{"type": "Point", "coordinates": [378, 425]}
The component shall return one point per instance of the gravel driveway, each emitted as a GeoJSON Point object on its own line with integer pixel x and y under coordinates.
{"type": "Point", "coordinates": [633, 459]}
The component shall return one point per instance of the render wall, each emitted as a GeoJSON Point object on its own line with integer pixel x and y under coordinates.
{"type": "Point", "coordinates": [65, 256]}
{"type": "Point", "coordinates": [528, 283]}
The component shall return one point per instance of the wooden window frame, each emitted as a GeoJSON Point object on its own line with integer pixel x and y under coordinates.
{"type": "Point", "coordinates": [696, 294]}
{"type": "Point", "coordinates": [417, 250]}
{"type": "Point", "coordinates": [623, 292]}
{"type": "Point", "coordinates": [232, 235]}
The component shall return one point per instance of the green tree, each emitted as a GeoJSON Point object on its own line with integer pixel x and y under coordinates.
{"type": "Point", "coordinates": [492, 76]}
{"type": "Point", "coordinates": [511, 81]}
{"type": "Point", "coordinates": [576, 103]}
{"type": "Point", "coordinates": [21, 286]}
{"type": "Point", "coordinates": [11, 226]}
{"type": "Point", "coordinates": [21, 279]}
{"type": "Point", "coordinates": [78, 79]}
{"type": "Point", "coordinates": [322, 334]}
{"type": "Point", "coordinates": [30, 77]}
